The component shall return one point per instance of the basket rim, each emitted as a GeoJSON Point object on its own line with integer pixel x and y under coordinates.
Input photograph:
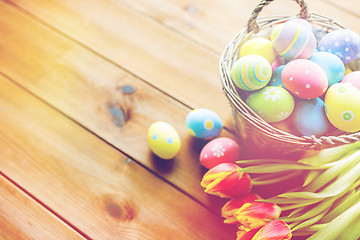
{"type": "Point", "coordinates": [229, 56]}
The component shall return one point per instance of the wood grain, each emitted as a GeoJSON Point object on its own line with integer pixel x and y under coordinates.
{"type": "Point", "coordinates": [90, 90]}
{"type": "Point", "coordinates": [213, 23]}
{"type": "Point", "coordinates": [162, 58]}
{"type": "Point", "coordinates": [23, 219]}
{"type": "Point", "coordinates": [87, 182]}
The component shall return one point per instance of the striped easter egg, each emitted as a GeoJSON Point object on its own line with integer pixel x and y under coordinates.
{"type": "Point", "coordinates": [292, 40]}
{"type": "Point", "coordinates": [251, 72]}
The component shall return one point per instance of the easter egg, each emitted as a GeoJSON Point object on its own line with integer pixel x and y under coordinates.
{"type": "Point", "coordinates": [304, 78]}
{"type": "Point", "coordinates": [342, 107]}
{"type": "Point", "coordinates": [344, 43]}
{"type": "Point", "coordinates": [164, 140]}
{"type": "Point", "coordinates": [352, 78]}
{"type": "Point", "coordinates": [258, 46]}
{"type": "Point", "coordinates": [203, 123]}
{"type": "Point", "coordinates": [219, 150]}
{"type": "Point", "coordinates": [251, 72]}
{"type": "Point", "coordinates": [302, 22]}
{"type": "Point", "coordinates": [276, 77]}
{"type": "Point", "coordinates": [310, 118]}
{"type": "Point", "coordinates": [273, 104]}
{"type": "Point", "coordinates": [331, 64]}
{"type": "Point", "coordinates": [292, 40]}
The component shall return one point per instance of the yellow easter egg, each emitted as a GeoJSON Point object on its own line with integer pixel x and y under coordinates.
{"type": "Point", "coordinates": [164, 140]}
{"type": "Point", "coordinates": [342, 107]}
{"type": "Point", "coordinates": [258, 46]}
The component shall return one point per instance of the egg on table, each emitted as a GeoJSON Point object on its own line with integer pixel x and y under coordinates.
{"type": "Point", "coordinates": [344, 43]}
{"type": "Point", "coordinates": [203, 123]}
{"type": "Point", "coordinates": [164, 140]}
{"type": "Point", "coordinates": [331, 64]}
{"type": "Point", "coordinates": [304, 79]}
{"type": "Point", "coordinates": [292, 40]}
{"type": "Point", "coordinates": [273, 104]}
{"type": "Point", "coordinates": [309, 117]}
{"type": "Point", "coordinates": [219, 150]}
{"type": "Point", "coordinates": [342, 107]}
{"type": "Point", "coordinates": [258, 46]}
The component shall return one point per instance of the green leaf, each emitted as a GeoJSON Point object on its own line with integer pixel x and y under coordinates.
{"type": "Point", "coordinates": [330, 155]}
{"type": "Point", "coordinates": [309, 221]}
{"type": "Point", "coordinates": [331, 173]}
{"type": "Point", "coordinates": [343, 206]}
{"type": "Point", "coordinates": [305, 213]}
{"type": "Point", "coordinates": [271, 168]}
{"type": "Point", "coordinates": [341, 223]}
{"type": "Point", "coordinates": [258, 181]}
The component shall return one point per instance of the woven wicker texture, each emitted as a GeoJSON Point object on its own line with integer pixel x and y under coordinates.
{"type": "Point", "coordinates": [252, 129]}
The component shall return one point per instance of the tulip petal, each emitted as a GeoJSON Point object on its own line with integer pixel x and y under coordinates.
{"type": "Point", "coordinates": [230, 208]}
{"type": "Point", "coordinates": [274, 230]}
{"type": "Point", "coordinates": [257, 214]}
{"type": "Point", "coordinates": [245, 235]}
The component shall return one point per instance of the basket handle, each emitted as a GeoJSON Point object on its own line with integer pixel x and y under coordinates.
{"type": "Point", "coordinates": [253, 26]}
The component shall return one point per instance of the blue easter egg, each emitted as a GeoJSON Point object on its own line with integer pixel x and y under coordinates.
{"type": "Point", "coordinates": [203, 123]}
{"type": "Point", "coordinates": [331, 64]}
{"type": "Point", "coordinates": [276, 77]}
{"type": "Point", "coordinates": [344, 43]}
{"type": "Point", "coordinates": [310, 118]}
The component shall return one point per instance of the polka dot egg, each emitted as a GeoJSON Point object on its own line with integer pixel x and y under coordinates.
{"type": "Point", "coordinates": [343, 42]}
{"type": "Point", "coordinates": [251, 72]}
{"type": "Point", "coordinates": [273, 104]}
{"type": "Point", "coordinates": [203, 123]}
{"type": "Point", "coordinates": [219, 150]}
{"type": "Point", "coordinates": [331, 64]}
{"type": "Point", "coordinates": [304, 78]}
{"type": "Point", "coordinates": [164, 140]}
{"type": "Point", "coordinates": [292, 40]}
{"type": "Point", "coordinates": [342, 107]}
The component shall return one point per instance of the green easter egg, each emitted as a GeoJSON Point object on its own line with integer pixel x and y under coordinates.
{"type": "Point", "coordinates": [271, 103]}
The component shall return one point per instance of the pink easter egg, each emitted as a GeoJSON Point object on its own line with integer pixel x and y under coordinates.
{"type": "Point", "coordinates": [304, 79]}
{"type": "Point", "coordinates": [219, 150]}
{"type": "Point", "coordinates": [353, 78]}
{"type": "Point", "coordinates": [292, 40]}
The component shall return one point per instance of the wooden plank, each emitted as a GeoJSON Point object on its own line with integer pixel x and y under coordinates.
{"type": "Point", "coordinates": [87, 182]}
{"type": "Point", "coordinates": [161, 57]}
{"type": "Point", "coordinates": [90, 90]}
{"type": "Point", "coordinates": [350, 6]}
{"type": "Point", "coordinates": [213, 23]}
{"type": "Point", "coordinates": [24, 219]}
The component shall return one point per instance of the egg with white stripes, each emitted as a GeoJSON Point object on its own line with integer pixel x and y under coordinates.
{"type": "Point", "coordinates": [292, 40]}
{"type": "Point", "coordinates": [251, 72]}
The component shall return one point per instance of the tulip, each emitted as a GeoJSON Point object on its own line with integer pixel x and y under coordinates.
{"type": "Point", "coordinates": [231, 207]}
{"type": "Point", "coordinates": [274, 230]}
{"type": "Point", "coordinates": [245, 235]}
{"type": "Point", "coordinates": [257, 214]}
{"type": "Point", "coordinates": [226, 180]}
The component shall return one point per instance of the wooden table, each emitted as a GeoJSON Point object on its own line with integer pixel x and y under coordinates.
{"type": "Point", "coordinates": [81, 81]}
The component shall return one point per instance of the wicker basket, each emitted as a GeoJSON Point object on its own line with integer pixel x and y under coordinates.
{"type": "Point", "coordinates": [252, 129]}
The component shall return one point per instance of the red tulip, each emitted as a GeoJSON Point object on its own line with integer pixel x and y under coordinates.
{"type": "Point", "coordinates": [245, 235]}
{"type": "Point", "coordinates": [226, 180]}
{"type": "Point", "coordinates": [254, 215]}
{"type": "Point", "coordinates": [230, 208]}
{"type": "Point", "coordinates": [274, 230]}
